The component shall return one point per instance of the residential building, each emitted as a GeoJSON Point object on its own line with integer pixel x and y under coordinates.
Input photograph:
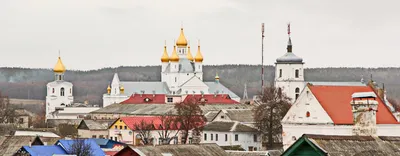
{"type": "Point", "coordinates": [315, 145]}
{"type": "Point", "coordinates": [174, 150]}
{"type": "Point", "coordinates": [226, 134]}
{"type": "Point", "coordinates": [94, 128]}
{"type": "Point", "coordinates": [9, 145]}
{"type": "Point", "coordinates": [127, 130]}
{"type": "Point", "coordinates": [41, 150]}
{"type": "Point", "coordinates": [67, 145]}
{"type": "Point", "coordinates": [181, 74]}
{"type": "Point", "coordinates": [338, 110]}
{"type": "Point", "coordinates": [59, 99]}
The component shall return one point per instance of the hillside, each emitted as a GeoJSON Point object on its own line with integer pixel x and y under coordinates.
{"type": "Point", "coordinates": [25, 83]}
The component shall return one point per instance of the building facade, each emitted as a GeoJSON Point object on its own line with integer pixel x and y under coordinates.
{"type": "Point", "coordinates": [181, 74]}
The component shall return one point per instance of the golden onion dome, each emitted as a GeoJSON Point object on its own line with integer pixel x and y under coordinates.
{"type": "Point", "coordinates": [189, 55]}
{"type": "Point", "coordinates": [165, 57]}
{"type": "Point", "coordinates": [174, 57]}
{"type": "Point", "coordinates": [122, 89]}
{"type": "Point", "coordinates": [198, 57]}
{"type": "Point", "coordinates": [108, 89]}
{"type": "Point", "coordinates": [182, 39]}
{"type": "Point", "coordinates": [216, 77]}
{"type": "Point", "coordinates": [59, 68]}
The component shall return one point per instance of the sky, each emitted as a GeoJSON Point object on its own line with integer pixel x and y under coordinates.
{"type": "Point", "coordinates": [93, 34]}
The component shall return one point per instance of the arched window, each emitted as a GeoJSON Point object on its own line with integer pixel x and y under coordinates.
{"type": "Point", "coordinates": [297, 92]}
{"type": "Point", "coordinates": [70, 90]}
{"type": "Point", "coordinates": [175, 79]}
{"type": "Point", "coordinates": [296, 73]}
{"type": "Point", "coordinates": [308, 114]}
{"type": "Point", "coordinates": [62, 92]}
{"type": "Point", "coordinates": [53, 90]}
{"type": "Point", "coordinates": [279, 91]}
{"type": "Point", "coordinates": [280, 72]}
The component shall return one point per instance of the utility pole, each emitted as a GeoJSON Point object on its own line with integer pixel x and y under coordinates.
{"type": "Point", "coordinates": [262, 58]}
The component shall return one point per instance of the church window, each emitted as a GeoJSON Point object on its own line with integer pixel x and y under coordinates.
{"type": "Point", "coordinates": [280, 72]}
{"type": "Point", "coordinates": [296, 73]}
{"type": "Point", "coordinates": [59, 77]}
{"type": "Point", "coordinates": [70, 90]}
{"type": "Point", "coordinates": [62, 92]}
{"type": "Point", "coordinates": [53, 90]}
{"type": "Point", "coordinates": [297, 92]}
{"type": "Point", "coordinates": [175, 79]}
{"type": "Point", "coordinates": [308, 114]}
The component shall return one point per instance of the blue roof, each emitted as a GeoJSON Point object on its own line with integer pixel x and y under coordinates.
{"type": "Point", "coordinates": [40, 150]}
{"type": "Point", "coordinates": [66, 144]}
{"type": "Point", "coordinates": [101, 141]}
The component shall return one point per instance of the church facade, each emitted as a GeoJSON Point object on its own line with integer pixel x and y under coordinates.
{"type": "Point", "coordinates": [181, 75]}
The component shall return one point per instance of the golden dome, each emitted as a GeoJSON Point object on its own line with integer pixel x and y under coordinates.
{"type": "Point", "coordinates": [189, 55]}
{"type": "Point", "coordinates": [121, 89]}
{"type": "Point", "coordinates": [108, 89]}
{"type": "Point", "coordinates": [174, 57]}
{"type": "Point", "coordinates": [59, 68]}
{"type": "Point", "coordinates": [216, 77]}
{"type": "Point", "coordinates": [198, 57]}
{"type": "Point", "coordinates": [182, 39]}
{"type": "Point", "coordinates": [165, 57]}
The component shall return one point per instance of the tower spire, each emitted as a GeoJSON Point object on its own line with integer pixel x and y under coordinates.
{"type": "Point", "coordinates": [289, 45]}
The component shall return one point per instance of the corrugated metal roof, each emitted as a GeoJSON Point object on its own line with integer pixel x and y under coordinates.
{"type": "Point", "coordinates": [241, 115]}
{"type": "Point", "coordinates": [36, 133]}
{"type": "Point", "coordinates": [183, 150]}
{"type": "Point", "coordinates": [132, 87]}
{"type": "Point", "coordinates": [220, 126]}
{"type": "Point", "coordinates": [44, 150]}
{"type": "Point", "coordinates": [220, 88]}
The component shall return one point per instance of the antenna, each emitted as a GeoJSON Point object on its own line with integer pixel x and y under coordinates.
{"type": "Point", "coordinates": [245, 96]}
{"type": "Point", "coordinates": [262, 58]}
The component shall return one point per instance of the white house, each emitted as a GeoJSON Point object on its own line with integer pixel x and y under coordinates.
{"type": "Point", "coordinates": [331, 110]}
{"type": "Point", "coordinates": [232, 134]}
{"type": "Point", "coordinates": [181, 74]}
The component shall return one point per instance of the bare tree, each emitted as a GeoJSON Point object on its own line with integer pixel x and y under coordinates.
{"type": "Point", "coordinates": [7, 112]}
{"type": "Point", "coordinates": [269, 113]}
{"type": "Point", "coordinates": [190, 117]}
{"type": "Point", "coordinates": [144, 128]}
{"type": "Point", "coordinates": [81, 147]}
{"type": "Point", "coordinates": [167, 127]}
{"type": "Point", "coordinates": [395, 104]}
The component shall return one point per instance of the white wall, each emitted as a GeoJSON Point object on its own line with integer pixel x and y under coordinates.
{"type": "Point", "coordinates": [111, 99]}
{"type": "Point", "coordinates": [245, 139]}
{"type": "Point", "coordinates": [54, 99]}
{"type": "Point", "coordinates": [288, 82]}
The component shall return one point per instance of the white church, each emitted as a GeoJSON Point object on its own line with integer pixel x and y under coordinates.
{"type": "Point", "coordinates": [331, 108]}
{"type": "Point", "coordinates": [60, 100]}
{"type": "Point", "coordinates": [181, 75]}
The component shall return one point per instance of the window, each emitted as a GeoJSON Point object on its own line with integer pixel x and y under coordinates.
{"type": "Point", "coordinates": [280, 72]}
{"type": "Point", "coordinates": [70, 90]}
{"type": "Point", "coordinates": [120, 127]}
{"type": "Point", "coordinates": [59, 77]}
{"type": "Point", "coordinates": [169, 99]}
{"type": "Point", "coordinates": [212, 137]}
{"type": "Point", "coordinates": [250, 148]}
{"type": "Point", "coordinates": [308, 114]}
{"type": "Point", "coordinates": [255, 148]}
{"type": "Point", "coordinates": [297, 92]}
{"type": "Point", "coordinates": [101, 136]}
{"type": "Point", "coordinates": [236, 137]}
{"type": "Point", "coordinates": [115, 127]}
{"type": "Point", "coordinates": [115, 138]}
{"type": "Point", "coordinates": [62, 92]}
{"type": "Point", "coordinates": [21, 120]}
{"type": "Point", "coordinates": [124, 127]}
{"type": "Point", "coordinates": [93, 136]}
{"type": "Point", "coordinates": [205, 136]}
{"type": "Point", "coordinates": [175, 79]}
{"type": "Point", "coordinates": [255, 137]}
{"type": "Point", "coordinates": [226, 137]}
{"type": "Point", "coordinates": [296, 73]}
{"type": "Point", "coordinates": [53, 90]}
{"type": "Point", "coordinates": [216, 137]}
{"type": "Point", "coordinates": [222, 116]}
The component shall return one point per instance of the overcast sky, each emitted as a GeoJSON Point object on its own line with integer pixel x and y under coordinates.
{"type": "Point", "coordinates": [92, 34]}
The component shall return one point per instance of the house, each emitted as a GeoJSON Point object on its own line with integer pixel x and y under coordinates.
{"type": "Point", "coordinates": [9, 145]}
{"type": "Point", "coordinates": [40, 150]}
{"type": "Point", "coordinates": [334, 110]}
{"type": "Point", "coordinates": [67, 145]}
{"type": "Point", "coordinates": [173, 150]}
{"type": "Point", "coordinates": [315, 145]}
{"type": "Point", "coordinates": [125, 129]}
{"type": "Point", "coordinates": [227, 134]}
{"type": "Point", "coordinates": [244, 116]}
{"type": "Point", "coordinates": [94, 128]}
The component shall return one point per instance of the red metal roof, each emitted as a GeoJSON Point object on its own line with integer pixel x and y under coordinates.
{"type": "Point", "coordinates": [213, 99]}
{"type": "Point", "coordinates": [336, 102]}
{"type": "Point", "coordinates": [131, 121]}
{"type": "Point", "coordinates": [145, 99]}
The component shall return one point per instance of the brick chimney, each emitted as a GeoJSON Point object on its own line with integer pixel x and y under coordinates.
{"type": "Point", "coordinates": [364, 107]}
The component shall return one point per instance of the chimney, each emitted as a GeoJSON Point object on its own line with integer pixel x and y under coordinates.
{"type": "Point", "coordinates": [142, 92]}
{"type": "Point", "coordinates": [202, 93]}
{"type": "Point", "coordinates": [364, 107]}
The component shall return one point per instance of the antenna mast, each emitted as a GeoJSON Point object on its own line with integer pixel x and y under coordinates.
{"type": "Point", "coordinates": [245, 96]}
{"type": "Point", "coordinates": [262, 58]}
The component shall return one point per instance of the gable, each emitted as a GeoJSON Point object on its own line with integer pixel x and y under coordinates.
{"type": "Point", "coordinates": [307, 102]}
{"type": "Point", "coordinates": [83, 125]}
{"type": "Point", "coordinates": [194, 82]}
{"type": "Point", "coordinates": [221, 116]}
{"type": "Point", "coordinates": [303, 147]}
{"type": "Point", "coordinates": [119, 122]}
